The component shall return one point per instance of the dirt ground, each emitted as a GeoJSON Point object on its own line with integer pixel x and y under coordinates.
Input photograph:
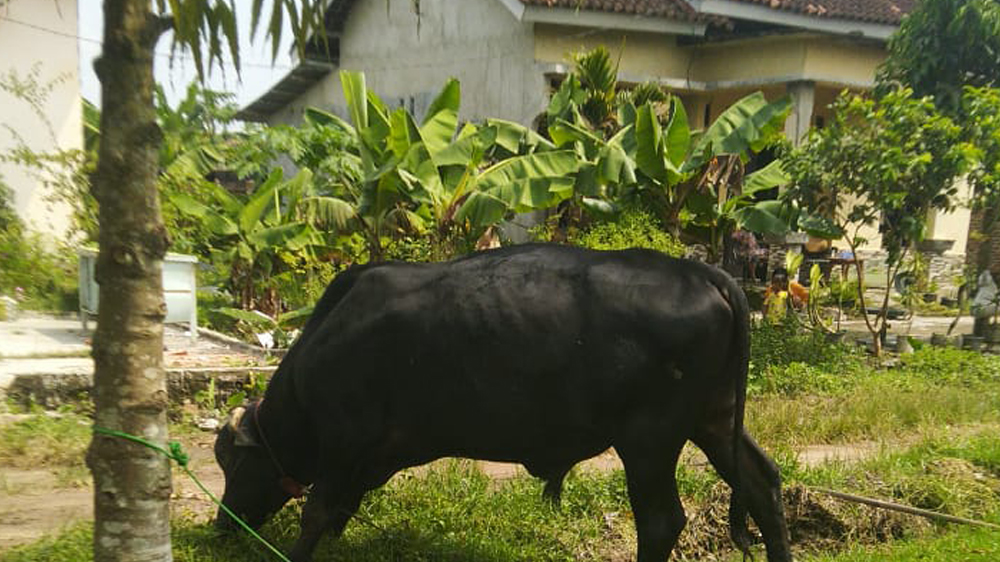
{"type": "Point", "coordinates": [37, 502]}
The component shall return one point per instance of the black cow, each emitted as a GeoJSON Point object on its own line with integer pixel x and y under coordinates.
{"type": "Point", "coordinates": [537, 354]}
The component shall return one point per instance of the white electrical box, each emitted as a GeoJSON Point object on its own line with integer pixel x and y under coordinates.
{"type": "Point", "coordinates": [180, 288]}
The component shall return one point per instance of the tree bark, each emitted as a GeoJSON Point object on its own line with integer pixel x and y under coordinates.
{"type": "Point", "coordinates": [131, 483]}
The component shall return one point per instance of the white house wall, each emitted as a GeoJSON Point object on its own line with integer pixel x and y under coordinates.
{"type": "Point", "coordinates": [479, 42]}
{"type": "Point", "coordinates": [53, 59]}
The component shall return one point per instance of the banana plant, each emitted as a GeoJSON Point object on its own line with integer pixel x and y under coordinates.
{"type": "Point", "coordinates": [729, 202]}
{"type": "Point", "coordinates": [607, 151]}
{"type": "Point", "coordinates": [262, 236]}
{"type": "Point", "coordinates": [675, 162]}
{"type": "Point", "coordinates": [434, 175]}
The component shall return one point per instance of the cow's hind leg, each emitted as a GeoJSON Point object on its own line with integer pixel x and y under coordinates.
{"type": "Point", "coordinates": [760, 483]}
{"type": "Point", "coordinates": [650, 469]}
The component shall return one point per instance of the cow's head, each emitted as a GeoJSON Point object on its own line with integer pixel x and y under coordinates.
{"type": "Point", "coordinates": [253, 482]}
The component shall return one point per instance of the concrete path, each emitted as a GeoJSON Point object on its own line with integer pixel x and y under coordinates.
{"type": "Point", "coordinates": [922, 326]}
{"type": "Point", "coordinates": [35, 345]}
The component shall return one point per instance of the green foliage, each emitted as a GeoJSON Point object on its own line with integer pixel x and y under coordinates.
{"type": "Point", "coordinates": [943, 46]}
{"type": "Point", "coordinates": [208, 27]}
{"type": "Point", "coordinates": [282, 328]}
{"type": "Point", "coordinates": [639, 146]}
{"type": "Point", "coordinates": [787, 360]}
{"type": "Point", "coordinates": [968, 544]}
{"type": "Point", "coordinates": [982, 124]}
{"type": "Point", "coordinates": [263, 237]}
{"type": "Point", "coordinates": [832, 402]}
{"type": "Point", "coordinates": [45, 440]}
{"type": "Point", "coordinates": [40, 277]}
{"type": "Point", "coordinates": [433, 175]}
{"type": "Point", "coordinates": [414, 249]}
{"type": "Point", "coordinates": [951, 366]}
{"type": "Point", "coordinates": [884, 162]}
{"type": "Point", "coordinates": [894, 158]}
{"type": "Point", "coordinates": [599, 81]}
{"type": "Point", "coordinates": [633, 228]}
{"type": "Point", "coordinates": [196, 143]}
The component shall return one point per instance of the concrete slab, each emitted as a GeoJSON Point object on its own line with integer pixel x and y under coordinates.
{"type": "Point", "coordinates": [921, 326]}
{"type": "Point", "coordinates": [50, 356]}
{"type": "Point", "coordinates": [36, 336]}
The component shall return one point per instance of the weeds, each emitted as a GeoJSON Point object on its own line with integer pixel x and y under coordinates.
{"type": "Point", "coordinates": [45, 440]}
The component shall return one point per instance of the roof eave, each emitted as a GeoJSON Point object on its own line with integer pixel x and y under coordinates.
{"type": "Point", "coordinates": [603, 20]}
{"type": "Point", "coordinates": [299, 80]}
{"type": "Point", "coordinates": [759, 13]}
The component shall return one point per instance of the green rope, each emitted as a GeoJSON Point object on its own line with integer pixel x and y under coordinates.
{"type": "Point", "coordinates": [177, 454]}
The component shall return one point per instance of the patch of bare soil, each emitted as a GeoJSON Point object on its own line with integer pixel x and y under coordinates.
{"type": "Point", "coordinates": [32, 505]}
{"type": "Point", "coordinates": [37, 502]}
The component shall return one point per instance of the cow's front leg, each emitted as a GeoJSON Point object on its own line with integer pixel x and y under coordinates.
{"type": "Point", "coordinates": [323, 512]}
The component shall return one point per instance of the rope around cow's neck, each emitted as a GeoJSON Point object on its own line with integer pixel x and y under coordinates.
{"type": "Point", "coordinates": [177, 454]}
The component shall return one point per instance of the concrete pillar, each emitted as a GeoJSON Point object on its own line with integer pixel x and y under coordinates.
{"type": "Point", "coordinates": [803, 94]}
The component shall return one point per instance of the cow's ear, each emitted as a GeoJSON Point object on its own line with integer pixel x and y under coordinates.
{"type": "Point", "coordinates": [239, 423]}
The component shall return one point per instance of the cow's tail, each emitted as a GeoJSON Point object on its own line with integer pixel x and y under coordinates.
{"type": "Point", "coordinates": [738, 368]}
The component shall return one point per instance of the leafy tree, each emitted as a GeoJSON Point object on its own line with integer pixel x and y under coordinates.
{"type": "Point", "coordinates": [943, 46]}
{"type": "Point", "coordinates": [132, 482]}
{"type": "Point", "coordinates": [196, 143]}
{"type": "Point", "coordinates": [886, 161]}
{"type": "Point", "coordinates": [982, 105]}
{"type": "Point", "coordinates": [982, 110]}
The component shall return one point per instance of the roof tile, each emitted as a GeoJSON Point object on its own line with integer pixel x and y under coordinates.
{"type": "Point", "coordinates": [674, 9]}
{"type": "Point", "coordinates": [874, 11]}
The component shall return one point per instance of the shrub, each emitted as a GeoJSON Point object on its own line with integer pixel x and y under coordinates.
{"type": "Point", "coordinates": [786, 360]}
{"type": "Point", "coordinates": [948, 365]}
{"type": "Point", "coordinates": [39, 277]}
{"type": "Point", "coordinates": [633, 228]}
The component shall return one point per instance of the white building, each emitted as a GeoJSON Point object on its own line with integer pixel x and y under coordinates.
{"type": "Point", "coordinates": [40, 104]}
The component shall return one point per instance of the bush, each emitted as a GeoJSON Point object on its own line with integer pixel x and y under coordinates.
{"type": "Point", "coordinates": [39, 277]}
{"type": "Point", "coordinates": [951, 366]}
{"type": "Point", "coordinates": [786, 360]}
{"type": "Point", "coordinates": [633, 228]}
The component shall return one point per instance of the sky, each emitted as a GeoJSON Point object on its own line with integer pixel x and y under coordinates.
{"type": "Point", "coordinates": [257, 74]}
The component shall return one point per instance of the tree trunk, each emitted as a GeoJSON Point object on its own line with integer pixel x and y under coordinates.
{"type": "Point", "coordinates": [979, 254]}
{"type": "Point", "coordinates": [131, 482]}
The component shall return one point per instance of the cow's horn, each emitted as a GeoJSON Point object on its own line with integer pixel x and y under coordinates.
{"type": "Point", "coordinates": [234, 420]}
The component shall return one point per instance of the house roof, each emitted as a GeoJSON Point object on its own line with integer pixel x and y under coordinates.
{"type": "Point", "coordinates": [674, 9]}
{"type": "Point", "coordinates": [873, 11]}
{"type": "Point", "coordinates": [873, 18]}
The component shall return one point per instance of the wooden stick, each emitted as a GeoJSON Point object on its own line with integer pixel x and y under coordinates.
{"type": "Point", "coordinates": [904, 508]}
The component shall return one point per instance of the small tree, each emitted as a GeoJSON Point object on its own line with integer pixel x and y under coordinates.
{"type": "Point", "coordinates": [886, 162]}
{"type": "Point", "coordinates": [942, 48]}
